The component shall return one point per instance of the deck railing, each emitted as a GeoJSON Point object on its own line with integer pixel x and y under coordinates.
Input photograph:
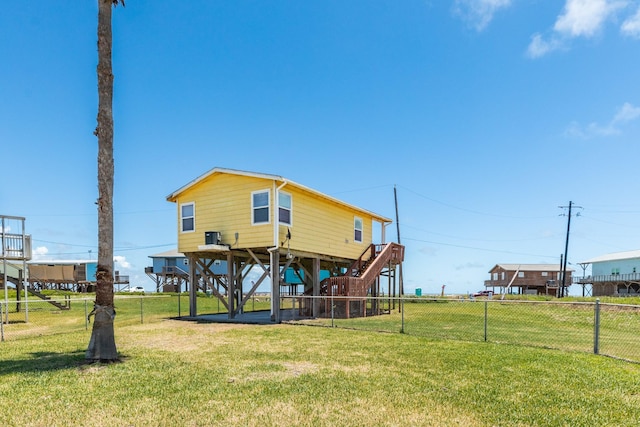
{"type": "Point", "coordinates": [16, 246]}
{"type": "Point", "coordinates": [359, 285]}
{"type": "Point", "coordinates": [631, 277]}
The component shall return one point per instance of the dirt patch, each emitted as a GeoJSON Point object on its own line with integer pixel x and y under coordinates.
{"type": "Point", "coordinates": [179, 337]}
{"type": "Point", "coordinates": [291, 370]}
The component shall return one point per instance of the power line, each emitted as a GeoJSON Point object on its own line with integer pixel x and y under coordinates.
{"type": "Point", "coordinates": [463, 209]}
{"type": "Point", "coordinates": [478, 249]}
{"type": "Point", "coordinates": [479, 240]}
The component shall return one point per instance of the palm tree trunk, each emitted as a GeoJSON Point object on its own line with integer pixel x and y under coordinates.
{"type": "Point", "coordinates": [102, 345]}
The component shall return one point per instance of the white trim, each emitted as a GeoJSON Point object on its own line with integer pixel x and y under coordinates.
{"type": "Point", "coordinates": [290, 209]}
{"type": "Point", "coordinates": [253, 207]}
{"type": "Point", "coordinates": [182, 230]}
{"type": "Point", "coordinates": [355, 219]}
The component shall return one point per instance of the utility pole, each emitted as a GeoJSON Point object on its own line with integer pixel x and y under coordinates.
{"type": "Point", "coordinates": [395, 198]}
{"type": "Point", "coordinates": [566, 247]}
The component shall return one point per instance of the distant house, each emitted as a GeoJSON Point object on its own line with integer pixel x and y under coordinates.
{"type": "Point", "coordinates": [614, 274]}
{"type": "Point", "coordinates": [531, 279]}
{"type": "Point", "coordinates": [71, 275]}
{"type": "Point", "coordinates": [170, 271]}
{"type": "Point", "coordinates": [268, 224]}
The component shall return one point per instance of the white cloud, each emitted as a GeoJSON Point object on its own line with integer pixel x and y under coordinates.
{"type": "Point", "coordinates": [121, 262]}
{"type": "Point", "coordinates": [39, 252]}
{"type": "Point", "coordinates": [586, 17]}
{"type": "Point", "coordinates": [540, 47]}
{"type": "Point", "coordinates": [625, 114]}
{"type": "Point", "coordinates": [582, 18]}
{"type": "Point", "coordinates": [631, 27]}
{"type": "Point", "coordinates": [469, 265]}
{"type": "Point", "coordinates": [479, 13]}
{"type": "Point", "coordinates": [428, 250]}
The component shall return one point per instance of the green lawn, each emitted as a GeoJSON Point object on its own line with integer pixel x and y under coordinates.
{"type": "Point", "coordinates": [189, 374]}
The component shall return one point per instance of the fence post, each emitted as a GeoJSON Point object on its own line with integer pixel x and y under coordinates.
{"type": "Point", "coordinates": [179, 311]}
{"type": "Point", "coordinates": [26, 304]}
{"type": "Point", "coordinates": [86, 316]}
{"type": "Point", "coordinates": [141, 310]}
{"type": "Point", "coordinates": [1, 324]}
{"type": "Point", "coordinates": [486, 319]}
{"type": "Point", "coordinates": [332, 325]}
{"type": "Point", "coordinates": [402, 314]}
{"type": "Point", "coordinates": [596, 328]}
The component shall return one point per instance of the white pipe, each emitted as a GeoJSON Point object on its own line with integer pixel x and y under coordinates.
{"type": "Point", "coordinates": [276, 222]}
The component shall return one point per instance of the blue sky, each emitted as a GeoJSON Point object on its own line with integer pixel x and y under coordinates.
{"type": "Point", "coordinates": [487, 115]}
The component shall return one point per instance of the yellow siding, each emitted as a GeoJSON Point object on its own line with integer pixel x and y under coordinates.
{"type": "Point", "coordinates": [322, 227]}
{"type": "Point", "coordinates": [223, 203]}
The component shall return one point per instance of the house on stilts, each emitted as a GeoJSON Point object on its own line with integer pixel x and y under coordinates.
{"type": "Point", "coordinates": [272, 225]}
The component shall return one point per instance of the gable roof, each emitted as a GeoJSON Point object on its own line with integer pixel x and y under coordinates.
{"type": "Point", "coordinates": [277, 178]}
{"type": "Point", "coordinates": [614, 257]}
{"type": "Point", "coordinates": [530, 267]}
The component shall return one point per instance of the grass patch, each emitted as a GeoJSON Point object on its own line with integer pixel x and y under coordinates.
{"type": "Point", "coordinates": [177, 373]}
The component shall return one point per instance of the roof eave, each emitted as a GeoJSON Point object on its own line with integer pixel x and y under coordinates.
{"type": "Point", "coordinates": [173, 196]}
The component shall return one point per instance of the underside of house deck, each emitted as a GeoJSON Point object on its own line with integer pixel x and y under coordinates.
{"type": "Point", "coordinates": [348, 286]}
{"type": "Point", "coordinates": [613, 285]}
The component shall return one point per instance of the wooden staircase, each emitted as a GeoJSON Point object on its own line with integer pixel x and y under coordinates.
{"type": "Point", "coordinates": [171, 279]}
{"type": "Point", "coordinates": [65, 306]}
{"type": "Point", "coordinates": [18, 285]}
{"type": "Point", "coordinates": [356, 283]}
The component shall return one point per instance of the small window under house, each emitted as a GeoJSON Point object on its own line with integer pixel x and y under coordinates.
{"type": "Point", "coordinates": [260, 207]}
{"type": "Point", "coordinates": [357, 230]}
{"type": "Point", "coordinates": [187, 217]}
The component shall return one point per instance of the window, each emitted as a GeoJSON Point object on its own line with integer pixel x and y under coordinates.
{"type": "Point", "coordinates": [284, 208]}
{"type": "Point", "coordinates": [357, 226]}
{"type": "Point", "coordinates": [260, 207]}
{"type": "Point", "coordinates": [188, 217]}
{"type": "Point", "coordinates": [521, 274]}
{"type": "Point", "coordinates": [544, 274]}
{"type": "Point", "coordinates": [615, 271]}
{"type": "Point", "coordinates": [503, 275]}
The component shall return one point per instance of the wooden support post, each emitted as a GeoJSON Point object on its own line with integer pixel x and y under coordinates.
{"type": "Point", "coordinates": [275, 285]}
{"type": "Point", "coordinates": [193, 280]}
{"type": "Point", "coordinates": [315, 274]}
{"type": "Point", "coordinates": [231, 286]}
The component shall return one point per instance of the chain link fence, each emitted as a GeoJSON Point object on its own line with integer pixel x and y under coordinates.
{"type": "Point", "coordinates": [58, 315]}
{"type": "Point", "coordinates": [607, 329]}
{"type": "Point", "coordinates": [63, 314]}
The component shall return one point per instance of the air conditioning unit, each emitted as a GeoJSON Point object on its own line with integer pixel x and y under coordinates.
{"type": "Point", "coordinates": [212, 238]}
